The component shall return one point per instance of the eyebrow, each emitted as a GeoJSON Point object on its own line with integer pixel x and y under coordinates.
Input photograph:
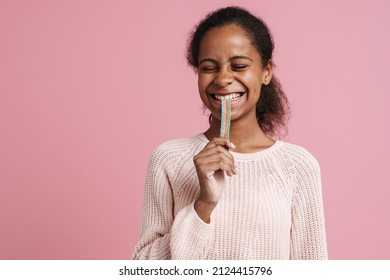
{"type": "Point", "coordinates": [232, 58]}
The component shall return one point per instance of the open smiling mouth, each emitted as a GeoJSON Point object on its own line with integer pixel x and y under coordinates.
{"type": "Point", "coordinates": [232, 96]}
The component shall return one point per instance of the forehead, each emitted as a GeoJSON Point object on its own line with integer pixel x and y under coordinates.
{"type": "Point", "coordinates": [227, 41]}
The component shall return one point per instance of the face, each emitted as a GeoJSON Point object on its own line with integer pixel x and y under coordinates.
{"type": "Point", "coordinates": [230, 67]}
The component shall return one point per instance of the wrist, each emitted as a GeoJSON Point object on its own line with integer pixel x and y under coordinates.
{"type": "Point", "coordinates": [204, 209]}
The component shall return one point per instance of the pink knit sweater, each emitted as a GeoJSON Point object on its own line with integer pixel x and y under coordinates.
{"type": "Point", "coordinates": [272, 209]}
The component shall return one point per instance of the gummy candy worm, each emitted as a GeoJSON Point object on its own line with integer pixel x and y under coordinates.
{"type": "Point", "coordinates": [225, 118]}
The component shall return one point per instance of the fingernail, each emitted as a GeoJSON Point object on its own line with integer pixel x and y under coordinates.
{"type": "Point", "coordinates": [233, 146]}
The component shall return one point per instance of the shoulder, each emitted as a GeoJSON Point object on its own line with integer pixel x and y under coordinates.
{"type": "Point", "coordinates": [299, 157]}
{"type": "Point", "coordinates": [178, 149]}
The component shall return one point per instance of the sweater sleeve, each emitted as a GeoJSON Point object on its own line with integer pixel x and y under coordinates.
{"type": "Point", "coordinates": [163, 235]}
{"type": "Point", "coordinates": [308, 235]}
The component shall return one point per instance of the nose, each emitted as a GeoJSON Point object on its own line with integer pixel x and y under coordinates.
{"type": "Point", "coordinates": [223, 78]}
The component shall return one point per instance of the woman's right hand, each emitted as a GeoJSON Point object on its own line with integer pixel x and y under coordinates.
{"type": "Point", "coordinates": [211, 165]}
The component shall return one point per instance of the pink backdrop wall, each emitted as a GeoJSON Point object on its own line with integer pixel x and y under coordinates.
{"type": "Point", "coordinates": [88, 89]}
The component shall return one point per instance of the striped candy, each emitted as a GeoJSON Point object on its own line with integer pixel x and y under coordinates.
{"type": "Point", "coordinates": [225, 118]}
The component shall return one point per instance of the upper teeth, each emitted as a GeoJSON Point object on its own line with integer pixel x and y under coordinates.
{"type": "Point", "coordinates": [229, 96]}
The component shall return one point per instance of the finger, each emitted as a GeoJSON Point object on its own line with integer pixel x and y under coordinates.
{"type": "Point", "coordinates": [210, 166]}
{"type": "Point", "coordinates": [207, 157]}
{"type": "Point", "coordinates": [215, 150]}
{"type": "Point", "coordinates": [226, 167]}
{"type": "Point", "coordinates": [221, 142]}
{"type": "Point", "coordinates": [214, 154]}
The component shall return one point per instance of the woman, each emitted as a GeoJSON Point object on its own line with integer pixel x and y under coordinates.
{"type": "Point", "coordinates": [246, 197]}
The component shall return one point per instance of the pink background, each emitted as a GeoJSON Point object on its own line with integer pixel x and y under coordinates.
{"type": "Point", "coordinates": [88, 89]}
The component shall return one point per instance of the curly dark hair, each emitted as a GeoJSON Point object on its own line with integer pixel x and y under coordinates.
{"type": "Point", "coordinates": [272, 109]}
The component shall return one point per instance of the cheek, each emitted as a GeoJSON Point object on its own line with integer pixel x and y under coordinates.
{"type": "Point", "coordinates": [202, 83]}
{"type": "Point", "coordinates": [251, 80]}
{"type": "Point", "coordinates": [199, 84]}
{"type": "Point", "coordinates": [256, 79]}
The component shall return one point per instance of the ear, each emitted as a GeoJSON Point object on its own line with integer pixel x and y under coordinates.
{"type": "Point", "coordinates": [267, 73]}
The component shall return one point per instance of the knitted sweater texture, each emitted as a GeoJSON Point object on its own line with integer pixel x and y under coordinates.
{"type": "Point", "coordinates": [272, 209]}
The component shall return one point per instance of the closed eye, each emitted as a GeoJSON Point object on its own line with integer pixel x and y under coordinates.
{"type": "Point", "coordinates": [239, 66]}
{"type": "Point", "coordinates": [207, 68]}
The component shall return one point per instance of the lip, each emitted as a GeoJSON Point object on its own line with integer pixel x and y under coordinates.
{"type": "Point", "coordinates": [217, 102]}
{"type": "Point", "coordinates": [225, 93]}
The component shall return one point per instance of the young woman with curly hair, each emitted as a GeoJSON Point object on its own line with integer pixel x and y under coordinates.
{"type": "Point", "coordinates": [248, 196]}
